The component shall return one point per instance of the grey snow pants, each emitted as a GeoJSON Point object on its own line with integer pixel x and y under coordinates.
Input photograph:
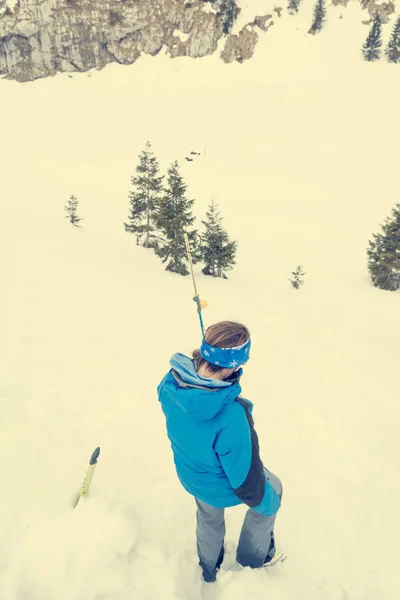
{"type": "Point", "coordinates": [256, 543]}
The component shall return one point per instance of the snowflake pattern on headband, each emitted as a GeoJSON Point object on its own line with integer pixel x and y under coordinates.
{"type": "Point", "coordinates": [230, 358]}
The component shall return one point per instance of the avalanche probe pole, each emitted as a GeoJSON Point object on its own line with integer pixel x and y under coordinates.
{"type": "Point", "coordinates": [199, 303]}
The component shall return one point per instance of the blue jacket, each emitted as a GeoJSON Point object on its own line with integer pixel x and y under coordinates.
{"type": "Point", "coordinates": [215, 446]}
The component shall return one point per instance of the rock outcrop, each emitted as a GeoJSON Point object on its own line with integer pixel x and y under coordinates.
{"type": "Point", "coordinates": [240, 47]}
{"type": "Point", "coordinates": [41, 37]}
{"type": "Point", "coordinates": [384, 9]}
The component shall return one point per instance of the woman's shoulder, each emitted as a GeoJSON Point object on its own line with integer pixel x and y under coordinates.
{"type": "Point", "coordinates": [244, 403]}
{"type": "Point", "coordinates": [237, 409]}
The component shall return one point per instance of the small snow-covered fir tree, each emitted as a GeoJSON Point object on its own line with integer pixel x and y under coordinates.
{"type": "Point", "coordinates": [144, 198]}
{"type": "Point", "coordinates": [297, 277]}
{"type": "Point", "coordinates": [393, 48]}
{"type": "Point", "coordinates": [71, 208]}
{"type": "Point", "coordinates": [372, 46]}
{"type": "Point", "coordinates": [218, 252]}
{"type": "Point", "coordinates": [173, 218]}
{"type": "Point", "coordinates": [293, 6]}
{"type": "Point", "coordinates": [319, 17]}
{"type": "Point", "coordinates": [384, 254]}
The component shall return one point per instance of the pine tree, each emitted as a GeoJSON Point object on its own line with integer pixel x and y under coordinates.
{"type": "Point", "coordinates": [293, 6]}
{"type": "Point", "coordinates": [71, 208]}
{"type": "Point", "coordinates": [372, 47]}
{"type": "Point", "coordinates": [384, 254]}
{"type": "Point", "coordinates": [144, 198]}
{"type": "Point", "coordinates": [319, 17]}
{"type": "Point", "coordinates": [393, 48]}
{"type": "Point", "coordinates": [218, 252]}
{"type": "Point", "coordinates": [297, 279]}
{"type": "Point", "coordinates": [174, 216]}
{"type": "Point", "coordinates": [364, 4]}
{"type": "Point", "coordinates": [228, 11]}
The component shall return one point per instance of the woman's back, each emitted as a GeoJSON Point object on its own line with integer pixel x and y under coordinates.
{"type": "Point", "coordinates": [197, 410]}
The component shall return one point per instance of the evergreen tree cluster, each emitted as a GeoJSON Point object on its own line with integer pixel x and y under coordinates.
{"type": "Point", "coordinates": [371, 49]}
{"type": "Point", "coordinates": [160, 214]}
{"type": "Point", "coordinates": [384, 254]}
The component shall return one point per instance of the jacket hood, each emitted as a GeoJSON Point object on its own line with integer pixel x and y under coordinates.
{"type": "Point", "coordinates": [198, 396]}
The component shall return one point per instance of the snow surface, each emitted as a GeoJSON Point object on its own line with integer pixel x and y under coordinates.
{"type": "Point", "coordinates": [299, 150]}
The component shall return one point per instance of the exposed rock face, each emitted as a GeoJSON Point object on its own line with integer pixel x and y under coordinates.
{"type": "Point", "coordinates": [240, 47]}
{"type": "Point", "coordinates": [41, 37]}
{"type": "Point", "coordinates": [261, 22]}
{"type": "Point", "coordinates": [384, 9]}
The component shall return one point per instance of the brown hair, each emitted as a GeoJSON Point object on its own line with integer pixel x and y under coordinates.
{"type": "Point", "coordinates": [224, 334]}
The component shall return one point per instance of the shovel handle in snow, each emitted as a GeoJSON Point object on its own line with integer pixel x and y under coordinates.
{"type": "Point", "coordinates": [88, 478]}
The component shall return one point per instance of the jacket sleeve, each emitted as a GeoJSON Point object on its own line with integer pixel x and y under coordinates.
{"type": "Point", "coordinates": [238, 450]}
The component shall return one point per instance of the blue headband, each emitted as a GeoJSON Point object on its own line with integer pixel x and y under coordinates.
{"type": "Point", "coordinates": [230, 358]}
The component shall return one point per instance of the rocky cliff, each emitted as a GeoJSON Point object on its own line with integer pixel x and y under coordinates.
{"type": "Point", "coordinates": [40, 37]}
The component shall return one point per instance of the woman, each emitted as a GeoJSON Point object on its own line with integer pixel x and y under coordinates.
{"type": "Point", "coordinates": [216, 450]}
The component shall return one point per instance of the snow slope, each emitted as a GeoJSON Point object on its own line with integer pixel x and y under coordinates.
{"type": "Point", "coordinates": [299, 150]}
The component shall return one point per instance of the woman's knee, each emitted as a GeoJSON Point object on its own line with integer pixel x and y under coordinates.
{"type": "Point", "coordinates": [275, 482]}
{"type": "Point", "coordinates": [209, 512]}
